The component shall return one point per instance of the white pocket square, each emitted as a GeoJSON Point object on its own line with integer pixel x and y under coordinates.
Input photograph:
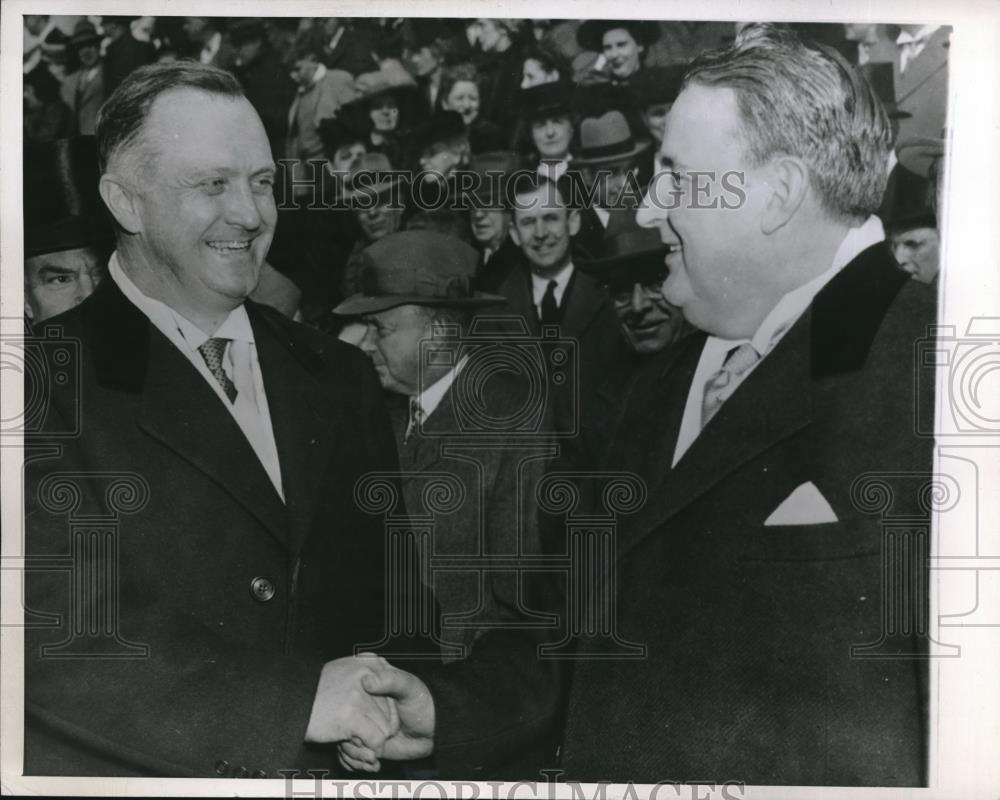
{"type": "Point", "coordinates": [805, 506]}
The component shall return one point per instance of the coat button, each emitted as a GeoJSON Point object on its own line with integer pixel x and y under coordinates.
{"type": "Point", "coordinates": [261, 589]}
{"type": "Point", "coordinates": [221, 767]}
{"type": "Point", "coordinates": [240, 772]}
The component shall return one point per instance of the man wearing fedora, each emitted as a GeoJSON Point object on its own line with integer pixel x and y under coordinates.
{"type": "Point", "coordinates": [417, 303]}
{"type": "Point", "coordinates": [605, 173]}
{"type": "Point", "coordinates": [912, 224]}
{"type": "Point", "coordinates": [83, 90]}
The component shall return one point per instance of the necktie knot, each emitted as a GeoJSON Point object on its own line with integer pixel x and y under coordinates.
{"type": "Point", "coordinates": [416, 418]}
{"type": "Point", "coordinates": [214, 351]}
{"type": "Point", "coordinates": [723, 383]}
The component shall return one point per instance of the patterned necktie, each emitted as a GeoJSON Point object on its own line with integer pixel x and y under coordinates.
{"type": "Point", "coordinates": [550, 308]}
{"type": "Point", "coordinates": [213, 352]}
{"type": "Point", "coordinates": [724, 382]}
{"type": "Point", "coordinates": [416, 419]}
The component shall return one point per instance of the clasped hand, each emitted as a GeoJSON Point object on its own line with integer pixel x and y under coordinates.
{"type": "Point", "coordinates": [371, 710]}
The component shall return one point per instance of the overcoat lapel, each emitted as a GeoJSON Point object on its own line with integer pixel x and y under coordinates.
{"type": "Point", "coordinates": [582, 301]}
{"type": "Point", "coordinates": [305, 432]}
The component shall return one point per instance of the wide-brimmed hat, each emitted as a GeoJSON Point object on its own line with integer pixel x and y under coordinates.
{"type": "Point", "coordinates": [62, 205]}
{"type": "Point", "coordinates": [440, 127]}
{"type": "Point", "coordinates": [654, 85]}
{"type": "Point", "coordinates": [626, 244]}
{"type": "Point", "coordinates": [421, 268]}
{"type": "Point", "coordinates": [347, 127]}
{"type": "Point", "coordinates": [590, 34]}
{"type": "Point", "coordinates": [607, 139]}
{"type": "Point", "coordinates": [372, 175]}
{"type": "Point", "coordinates": [84, 34]}
{"type": "Point", "coordinates": [546, 99]}
{"type": "Point", "coordinates": [917, 153]}
{"type": "Point", "coordinates": [391, 77]}
{"type": "Point", "coordinates": [880, 77]}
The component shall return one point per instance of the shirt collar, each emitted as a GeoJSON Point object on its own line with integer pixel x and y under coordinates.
{"type": "Point", "coordinates": [320, 73]}
{"type": "Point", "coordinates": [790, 307]}
{"type": "Point", "coordinates": [561, 278]}
{"type": "Point", "coordinates": [922, 35]}
{"type": "Point", "coordinates": [236, 326]}
{"type": "Point", "coordinates": [430, 398]}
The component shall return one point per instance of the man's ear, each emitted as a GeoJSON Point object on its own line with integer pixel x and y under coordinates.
{"type": "Point", "coordinates": [788, 178]}
{"type": "Point", "coordinates": [29, 312]}
{"type": "Point", "coordinates": [574, 222]}
{"type": "Point", "coordinates": [121, 200]}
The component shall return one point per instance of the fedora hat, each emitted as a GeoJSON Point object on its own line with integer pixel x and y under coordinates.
{"type": "Point", "coordinates": [389, 78]}
{"type": "Point", "coordinates": [84, 34]}
{"type": "Point", "coordinates": [545, 99]}
{"type": "Point", "coordinates": [423, 268]}
{"type": "Point", "coordinates": [62, 206]}
{"type": "Point", "coordinates": [371, 175]}
{"type": "Point", "coordinates": [626, 244]}
{"type": "Point", "coordinates": [493, 171]}
{"type": "Point", "coordinates": [607, 139]}
{"type": "Point", "coordinates": [654, 85]}
{"type": "Point", "coordinates": [440, 127]}
{"type": "Point", "coordinates": [590, 34]}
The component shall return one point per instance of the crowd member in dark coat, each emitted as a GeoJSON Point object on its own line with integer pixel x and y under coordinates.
{"type": "Point", "coordinates": [424, 48]}
{"type": "Point", "coordinates": [417, 288]}
{"type": "Point", "coordinates": [605, 173]}
{"type": "Point", "coordinates": [489, 219]}
{"type": "Point", "coordinates": [543, 64]}
{"type": "Point", "coordinates": [230, 440]}
{"type": "Point", "coordinates": [547, 290]}
{"type": "Point", "coordinates": [46, 116]}
{"type": "Point", "coordinates": [500, 67]}
{"type": "Point", "coordinates": [266, 82]}
{"type": "Point", "coordinates": [547, 124]}
{"type": "Point", "coordinates": [349, 44]}
{"type": "Point", "coordinates": [460, 91]}
{"type": "Point", "coordinates": [209, 41]}
{"type": "Point", "coordinates": [388, 99]}
{"type": "Point", "coordinates": [83, 90]}
{"type": "Point", "coordinates": [124, 53]}
{"type": "Point", "coordinates": [762, 533]}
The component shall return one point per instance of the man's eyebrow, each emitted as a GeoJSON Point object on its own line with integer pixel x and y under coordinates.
{"type": "Point", "coordinates": [55, 269]}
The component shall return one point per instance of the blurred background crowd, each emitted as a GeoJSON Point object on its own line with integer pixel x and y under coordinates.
{"type": "Point", "coordinates": [579, 102]}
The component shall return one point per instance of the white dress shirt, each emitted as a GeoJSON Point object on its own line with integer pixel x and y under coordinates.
{"type": "Point", "coordinates": [540, 285]}
{"type": "Point", "coordinates": [788, 309]}
{"type": "Point", "coordinates": [553, 170]}
{"type": "Point", "coordinates": [430, 398]}
{"type": "Point", "coordinates": [250, 409]}
{"type": "Point", "coordinates": [912, 45]}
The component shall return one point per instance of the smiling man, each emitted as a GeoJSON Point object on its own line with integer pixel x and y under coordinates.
{"type": "Point", "coordinates": [234, 438]}
{"type": "Point", "coordinates": [778, 648]}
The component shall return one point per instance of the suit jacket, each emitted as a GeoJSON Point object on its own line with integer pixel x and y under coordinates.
{"type": "Point", "coordinates": [84, 100]}
{"type": "Point", "coordinates": [922, 89]}
{"type": "Point", "coordinates": [748, 673]}
{"type": "Point", "coordinates": [588, 319]}
{"type": "Point", "coordinates": [228, 599]}
{"type": "Point", "coordinates": [491, 275]}
{"type": "Point", "coordinates": [497, 477]}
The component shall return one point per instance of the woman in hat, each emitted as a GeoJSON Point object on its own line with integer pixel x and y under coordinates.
{"type": "Point", "coordinates": [460, 92]}
{"type": "Point", "coordinates": [387, 99]}
{"type": "Point", "coordinates": [547, 128]}
{"type": "Point", "coordinates": [622, 45]}
{"type": "Point", "coordinates": [541, 65]}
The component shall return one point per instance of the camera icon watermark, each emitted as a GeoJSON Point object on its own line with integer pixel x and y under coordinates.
{"type": "Point", "coordinates": [532, 371]}
{"type": "Point", "coordinates": [971, 367]}
{"type": "Point", "coordinates": [49, 362]}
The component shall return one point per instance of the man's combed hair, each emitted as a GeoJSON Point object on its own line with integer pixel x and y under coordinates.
{"type": "Point", "coordinates": [121, 118]}
{"type": "Point", "coordinates": [805, 100]}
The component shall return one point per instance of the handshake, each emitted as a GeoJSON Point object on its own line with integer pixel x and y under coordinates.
{"type": "Point", "coordinates": [371, 710]}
